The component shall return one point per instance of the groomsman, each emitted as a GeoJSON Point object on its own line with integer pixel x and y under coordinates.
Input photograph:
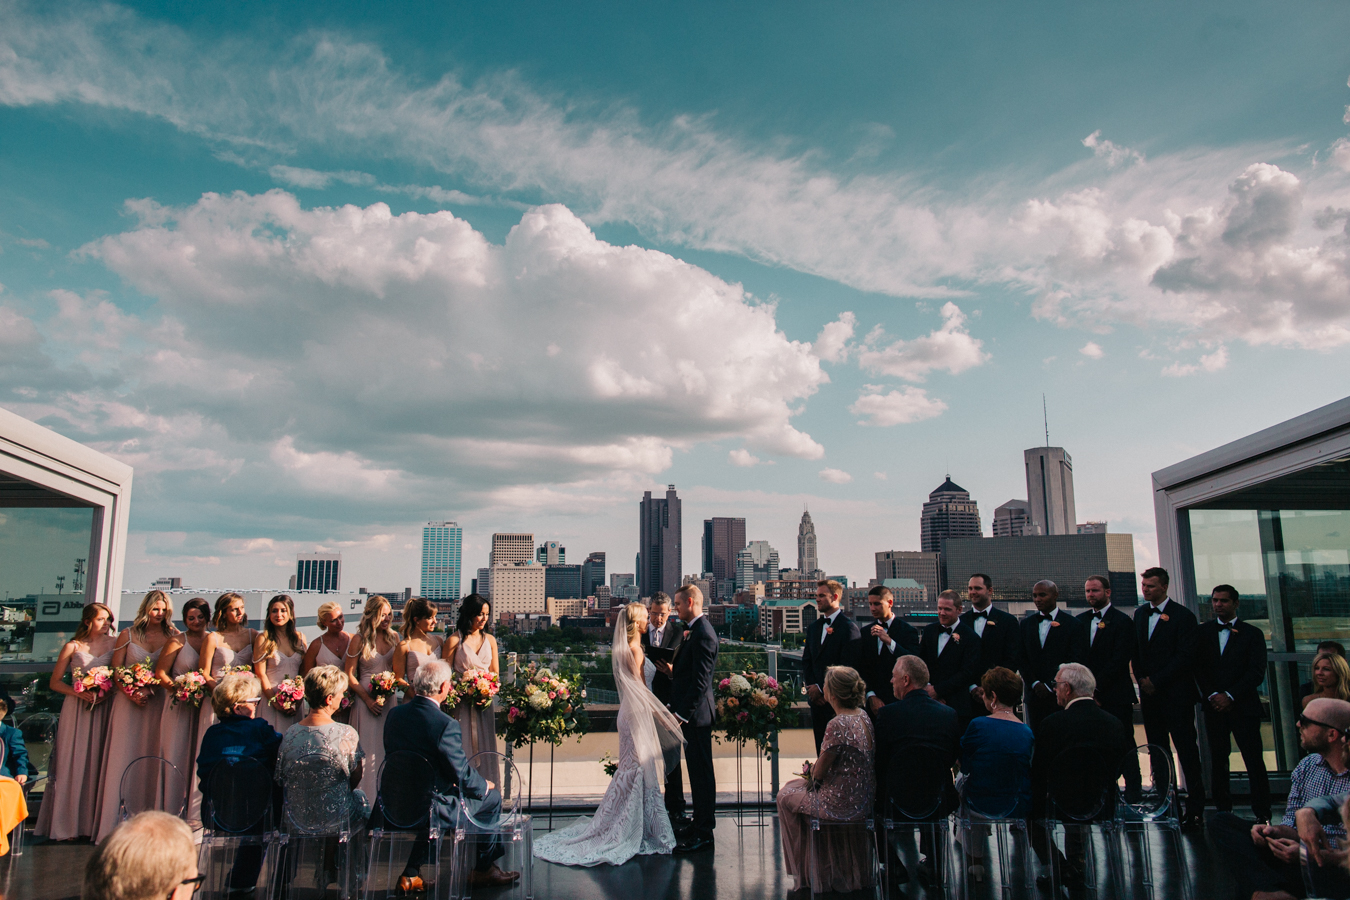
{"type": "Point", "coordinates": [1050, 638]}
{"type": "Point", "coordinates": [951, 650]}
{"type": "Point", "coordinates": [889, 638]}
{"type": "Point", "coordinates": [1110, 635]}
{"type": "Point", "coordinates": [832, 639]}
{"type": "Point", "coordinates": [665, 632]}
{"type": "Point", "coordinates": [1000, 635]}
{"type": "Point", "coordinates": [1164, 634]}
{"type": "Point", "coordinates": [1230, 663]}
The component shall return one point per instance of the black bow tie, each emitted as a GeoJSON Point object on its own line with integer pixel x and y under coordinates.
{"type": "Point", "coordinates": [946, 630]}
{"type": "Point", "coordinates": [1047, 617]}
{"type": "Point", "coordinates": [1154, 611]}
{"type": "Point", "coordinates": [1228, 626]}
{"type": "Point", "coordinates": [981, 614]}
{"type": "Point", "coordinates": [1099, 615]}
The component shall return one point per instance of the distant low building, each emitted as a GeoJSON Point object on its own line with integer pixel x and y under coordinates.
{"type": "Point", "coordinates": [1016, 563]}
{"type": "Point", "coordinates": [786, 616]}
{"type": "Point", "coordinates": [518, 588]}
{"type": "Point", "coordinates": [1013, 519]}
{"type": "Point", "coordinates": [557, 607]}
{"type": "Point", "coordinates": [925, 567]}
{"type": "Point", "coordinates": [524, 623]}
{"type": "Point", "coordinates": [1092, 528]}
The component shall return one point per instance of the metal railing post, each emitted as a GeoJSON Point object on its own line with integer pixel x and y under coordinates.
{"type": "Point", "coordinates": [510, 678]}
{"type": "Point", "coordinates": [773, 744]}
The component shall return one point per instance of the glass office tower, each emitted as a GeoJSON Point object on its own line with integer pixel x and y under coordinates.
{"type": "Point", "coordinates": [441, 558]}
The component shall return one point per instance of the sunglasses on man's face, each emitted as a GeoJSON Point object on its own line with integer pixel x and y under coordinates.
{"type": "Point", "coordinates": [195, 882]}
{"type": "Point", "coordinates": [1305, 722]}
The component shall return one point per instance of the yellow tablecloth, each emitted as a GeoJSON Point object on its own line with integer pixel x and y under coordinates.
{"type": "Point", "coordinates": [13, 810]}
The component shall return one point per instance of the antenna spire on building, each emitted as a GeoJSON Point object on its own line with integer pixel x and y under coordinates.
{"type": "Point", "coordinates": [1045, 416]}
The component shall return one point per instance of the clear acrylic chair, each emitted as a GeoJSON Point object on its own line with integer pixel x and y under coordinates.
{"type": "Point", "coordinates": [841, 849]}
{"type": "Point", "coordinates": [1153, 812]}
{"type": "Point", "coordinates": [402, 819]}
{"type": "Point", "coordinates": [1080, 799]}
{"type": "Point", "coordinates": [151, 782]}
{"type": "Point", "coordinates": [39, 735]}
{"type": "Point", "coordinates": [512, 828]}
{"type": "Point", "coordinates": [237, 827]}
{"type": "Point", "coordinates": [317, 838]}
{"type": "Point", "coordinates": [984, 819]}
{"type": "Point", "coordinates": [917, 797]}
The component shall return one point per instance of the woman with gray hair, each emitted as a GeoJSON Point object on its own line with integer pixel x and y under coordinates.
{"type": "Point", "coordinates": [333, 798]}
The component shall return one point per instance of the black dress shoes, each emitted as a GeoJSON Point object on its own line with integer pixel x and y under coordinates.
{"type": "Point", "coordinates": [694, 845]}
{"type": "Point", "coordinates": [681, 823]}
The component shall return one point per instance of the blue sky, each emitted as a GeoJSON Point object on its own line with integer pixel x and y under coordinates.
{"type": "Point", "coordinates": [327, 271]}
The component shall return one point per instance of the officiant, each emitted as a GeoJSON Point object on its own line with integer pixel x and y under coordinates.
{"type": "Point", "coordinates": [663, 637]}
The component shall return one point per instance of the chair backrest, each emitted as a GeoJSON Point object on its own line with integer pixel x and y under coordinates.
{"type": "Point", "coordinates": [510, 775]}
{"type": "Point", "coordinates": [239, 797]}
{"type": "Point", "coordinates": [917, 782]}
{"type": "Point", "coordinates": [39, 728]}
{"type": "Point", "coordinates": [312, 783]}
{"type": "Point", "coordinates": [1157, 797]}
{"type": "Point", "coordinates": [992, 806]}
{"type": "Point", "coordinates": [1082, 783]}
{"type": "Point", "coordinates": [151, 782]}
{"type": "Point", "coordinates": [406, 786]}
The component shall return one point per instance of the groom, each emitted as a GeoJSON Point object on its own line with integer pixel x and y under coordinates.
{"type": "Point", "coordinates": [691, 700]}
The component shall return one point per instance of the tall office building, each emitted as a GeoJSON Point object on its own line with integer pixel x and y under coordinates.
{"type": "Point", "coordinates": [593, 573]}
{"type": "Point", "coordinates": [508, 548]}
{"type": "Point", "coordinates": [318, 571]}
{"type": "Point", "coordinates": [618, 581]}
{"type": "Point", "coordinates": [551, 553]}
{"type": "Point", "coordinates": [484, 582]}
{"type": "Point", "coordinates": [1050, 491]}
{"type": "Point", "coordinates": [659, 543]}
{"type": "Point", "coordinates": [949, 513]}
{"type": "Point", "coordinates": [563, 582]}
{"type": "Point", "coordinates": [807, 562]}
{"type": "Point", "coordinates": [518, 588]}
{"type": "Point", "coordinates": [442, 543]}
{"type": "Point", "coordinates": [925, 568]}
{"type": "Point", "coordinates": [1013, 519]}
{"type": "Point", "coordinates": [1016, 564]}
{"type": "Point", "coordinates": [757, 562]}
{"type": "Point", "coordinates": [723, 538]}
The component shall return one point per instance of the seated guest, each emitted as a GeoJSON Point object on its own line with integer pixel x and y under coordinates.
{"type": "Point", "coordinates": [148, 857]}
{"type": "Point", "coordinates": [420, 727]}
{"type": "Point", "coordinates": [996, 751]}
{"type": "Point", "coordinates": [16, 754]}
{"type": "Point", "coordinates": [317, 796]}
{"type": "Point", "coordinates": [843, 784]}
{"type": "Point", "coordinates": [1330, 678]}
{"type": "Point", "coordinates": [1265, 858]}
{"type": "Point", "coordinates": [1336, 647]}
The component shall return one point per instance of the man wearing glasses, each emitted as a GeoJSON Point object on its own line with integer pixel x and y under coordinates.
{"type": "Point", "coordinates": [1264, 859]}
{"type": "Point", "coordinates": [148, 857]}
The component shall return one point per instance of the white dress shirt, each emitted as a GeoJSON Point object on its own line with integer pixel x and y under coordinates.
{"type": "Point", "coordinates": [887, 642]}
{"type": "Point", "coordinates": [829, 623]}
{"type": "Point", "coordinates": [979, 621]}
{"type": "Point", "coordinates": [944, 636]}
{"type": "Point", "coordinates": [1098, 615]}
{"type": "Point", "coordinates": [1153, 620]}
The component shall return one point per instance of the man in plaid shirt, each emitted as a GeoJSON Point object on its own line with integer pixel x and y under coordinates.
{"type": "Point", "coordinates": [1264, 859]}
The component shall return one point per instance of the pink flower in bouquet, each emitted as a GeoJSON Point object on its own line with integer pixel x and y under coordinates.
{"type": "Point", "coordinates": [382, 685]}
{"type": "Point", "coordinates": [726, 683]}
{"type": "Point", "coordinates": [137, 680]}
{"type": "Point", "coordinates": [97, 680]}
{"type": "Point", "coordinates": [190, 687]}
{"type": "Point", "coordinates": [287, 695]}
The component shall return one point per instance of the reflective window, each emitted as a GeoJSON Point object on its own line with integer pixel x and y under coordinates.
{"type": "Point", "coordinates": [44, 555]}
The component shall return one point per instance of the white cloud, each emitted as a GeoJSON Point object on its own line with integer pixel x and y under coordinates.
{"type": "Point", "coordinates": [949, 348]}
{"type": "Point", "coordinates": [835, 476]}
{"type": "Point", "coordinates": [1210, 362]}
{"type": "Point", "coordinates": [1092, 350]}
{"type": "Point", "coordinates": [879, 476]}
{"type": "Point", "coordinates": [898, 407]}
{"type": "Point", "coordinates": [1114, 154]}
{"type": "Point", "coordinates": [743, 458]}
{"type": "Point", "coordinates": [832, 345]}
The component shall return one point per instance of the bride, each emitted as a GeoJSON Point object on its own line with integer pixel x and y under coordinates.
{"type": "Point", "coordinates": [632, 817]}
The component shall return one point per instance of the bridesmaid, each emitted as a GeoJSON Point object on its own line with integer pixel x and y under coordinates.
{"type": "Point", "coordinates": [69, 807]}
{"type": "Point", "coordinates": [178, 736]}
{"type": "Point", "coordinates": [420, 643]}
{"type": "Point", "coordinates": [370, 653]}
{"type": "Point", "coordinates": [331, 647]}
{"type": "Point", "coordinates": [471, 649]}
{"type": "Point", "coordinates": [278, 651]}
{"type": "Point", "coordinates": [230, 645]}
{"type": "Point", "coordinates": [133, 725]}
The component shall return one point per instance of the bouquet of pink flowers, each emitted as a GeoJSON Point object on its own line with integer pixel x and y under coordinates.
{"type": "Point", "coordinates": [751, 706]}
{"type": "Point", "coordinates": [136, 680]}
{"type": "Point", "coordinates": [382, 685]}
{"type": "Point", "coordinates": [232, 670]}
{"type": "Point", "coordinates": [287, 695]}
{"type": "Point", "coordinates": [96, 680]}
{"type": "Point", "coordinates": [190, 687]}
{"type": "Point", "coordinates": [475, 686]}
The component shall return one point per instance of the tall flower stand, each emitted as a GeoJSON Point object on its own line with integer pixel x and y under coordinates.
{"type": "Point", "coordinates": [759, 820]}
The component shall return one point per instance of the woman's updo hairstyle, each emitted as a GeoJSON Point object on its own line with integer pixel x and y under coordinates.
{"type": "Point", "coordinates": [845, 685]}
{"type": "Point", "coordinates": [1003, 684]}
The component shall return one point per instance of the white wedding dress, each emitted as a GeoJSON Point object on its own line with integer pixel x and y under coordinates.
{"type": "Point", "coordinates": [631, 820]}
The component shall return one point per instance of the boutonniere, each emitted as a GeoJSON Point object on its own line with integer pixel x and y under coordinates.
{"type": "Point", "coordinates": [989, 623]}
{"type": "Point", "coordinates": [1101, 624]}
{"type": "Point", "coordinates": [686, 635]}
{"type": "Point", "coordinates": [1163, 617]}
{"type": "Point", "coordinates": [956, 637]}
{"type": "Point", "coordinates": [1054, 623]}
{"type": "Point", "coordinates": [829, 629]}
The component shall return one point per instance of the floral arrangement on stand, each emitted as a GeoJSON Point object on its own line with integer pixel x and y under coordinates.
{"type": "Point", "coordinates": [96, 680]}
{"type": "Point", "coordinates": [542, 706]}
{"type": "Point", "coordinates": [137, 680]}
{"type": "Point", "coordinates": [475, 686]}
{"type": "Point", "coordinates": [287, 695]}
{"type": "Point", "coordinates": [383, 685]}
{"type": "Point", "coordinates": [750, 707]}
{"type": "Point", "coordinates": [190, 687]}
{"type": "Point", "coordinates": [609, 764]}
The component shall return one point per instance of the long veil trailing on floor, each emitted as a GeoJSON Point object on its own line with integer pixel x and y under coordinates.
{"type": "Point", "coordinates": [656, 732]}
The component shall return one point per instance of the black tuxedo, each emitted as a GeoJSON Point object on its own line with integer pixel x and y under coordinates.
{"type": "Point", "coordinates": [1084, 725]}
{"type": "Point", "coordinates": [691, 698]}
{"type": "Point", "coordinates": [956, 669]}
{"type": "Point", "coordinates": [1110, 650]}
{"type": "Point", "coordinates": [876, 660]}
{"type": "Point", "coordinates": [1236, 671]}
{"type": "Point", "coordinates": [915, 719]}
{"type": "Point", "coordinates": [1001, 643]}
{"type": "Point", "coordinates": [1065, 642]}
{"type": "Point", "coordinates": [839, 646]}
{"type": "Point", "coordinates": [1169, 712]}
{"type": "Point", "coordinates": [672, 635]}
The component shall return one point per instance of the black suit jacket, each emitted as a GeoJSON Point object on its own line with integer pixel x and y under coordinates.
{"type": "Point", "coordinates": [912, 720]}
{"type": "Point", "coordinates": [1238, 671]}
{"type": "Point", "coordinates": [421, 727]}
{"type": "Point", "coordinates": [1065, 642]}
{"type": "Point", "coordinates": [1109, 655]}
{"type": "Point", "coordinates": [1001, 643]}
{"type": "Point", "coordinates": [838, 649]}
{"type": "Point", "coordinates": [1166, 657]}
{"type": "Point", "coordinates": [875, 663]}
{"type": "Point", "coordinates": [671, 638]}
{"type": "Point", "coordinates": [1083, 725]}
{"type": "Point", "coordinates": [691, 688]}
{"type": "Point", "coordinates": [952, 673]}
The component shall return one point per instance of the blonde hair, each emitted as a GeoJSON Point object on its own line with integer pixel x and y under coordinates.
{"type": "Point", "coordinates": [234, 689]}
{"type": "Point", "coordinates": [269, 631]}
{"type": "Point", "coordinates": [86, 629]}
{"type": "Point", "coordinates": [1339, 666]}
{"type": "Point", "coordinates": [143, 618]}
{"type": "Point", "coordinates": [323, 682]}
{"type": "Point", "coordinates": [845, 685]}
{"type": "Point", "coordinates": [223, 603]}
{"type": "Point", "coordinates": [835, 588]}
{"type": "Point", "coordinates": [325, 610]}
{"type": "Point", "coordinates": [636, 613]}
{"type": "Point", "coordinates": [368, 627]}
{"type": "Point", "coordinates": [145, 858]}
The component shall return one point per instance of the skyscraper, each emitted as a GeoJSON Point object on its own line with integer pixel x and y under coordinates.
{"type": "Point", "coordinates": [318, 571]}
{"type": "Point", "coordinates": [509, 548]}
{"type": "Point", "coordinates": [806, 546]}
{"type": "Point", "coordinates": [563, 582]}
{"type": "Point", "coordinates": [441, 558]}
{"type": "Point", "coordinates": [757, 562]}
{"type": "Point", "coordinates": [925, 568]}
{"type": "Point", "coordinates": [1050, 491]}
{"type": "Point", "coordinates": [618, 581]}
{"type": "Point", "coordinates": [949, 513]}
{"type": "Point", "coordinates": [484, 581]}
{"type": "Point", "coordinates": [660, 563]}
{"type": "Point", "coordinates": [1013, 519]}
{"type": "Point", "coordinates": [723, 538]}
{"type": "Point", "coordinates": [551, 553]}
{"type": "Point", "coordinates": [592, 573]}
